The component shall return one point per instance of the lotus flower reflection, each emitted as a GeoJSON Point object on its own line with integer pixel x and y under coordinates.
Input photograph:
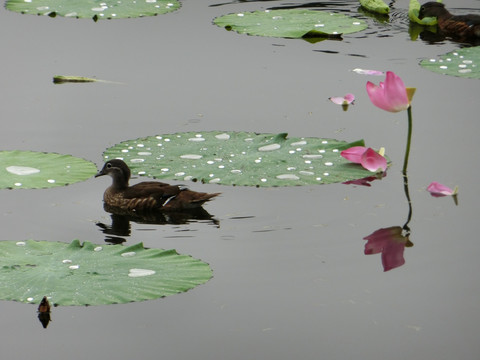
{"type": "Point", "coordinates": [391, 243]}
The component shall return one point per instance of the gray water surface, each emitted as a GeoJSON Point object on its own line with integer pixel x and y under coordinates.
{"type": "Point", "coordinates": [291, 280]}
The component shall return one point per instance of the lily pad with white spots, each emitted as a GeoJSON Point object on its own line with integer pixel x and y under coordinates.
{"type": "Point", "coordinates": [462, 63]}
{"type": "Point", "coordinates": [239, 158]}
{"type": "Point", "coordinates": [33, 170]}
{"type": "Point", "coordinates": [88, 274]}
{"type": "Point", "coordinates": [103, 9]}
{"type": "Point", "coordinates": [293, 23]}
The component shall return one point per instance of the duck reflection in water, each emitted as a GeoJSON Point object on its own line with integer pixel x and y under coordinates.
{"type": "Point", "coordinates": [121, 227]}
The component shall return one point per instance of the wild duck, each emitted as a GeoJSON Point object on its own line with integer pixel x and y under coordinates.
{"type": "Point", "coordinates": [148, 195]}
{"type": "Point", "coordinates": [459, 26]}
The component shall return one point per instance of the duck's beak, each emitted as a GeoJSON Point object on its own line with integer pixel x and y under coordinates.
{"type": "Point", "coordinates": [100, 173]}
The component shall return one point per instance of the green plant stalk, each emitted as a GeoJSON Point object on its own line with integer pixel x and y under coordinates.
{"type": "Point", "coordinates": [404, 171]}
{"type": "Point", "coordinates": [409, 140]}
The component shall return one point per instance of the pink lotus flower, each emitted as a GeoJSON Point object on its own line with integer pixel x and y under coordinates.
{"type": "Point", "coordinates": [346, 100]}
{"type": "Point", "coordinates": [390, 95]}
{"type": "Point", "coordinates": [436, 189]}
{"type": "Point", "coordinates": [391, 243]}
{"type": "Point", "coordinates": [367, 157]}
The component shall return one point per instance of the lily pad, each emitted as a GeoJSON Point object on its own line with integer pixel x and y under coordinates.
{"type": "Point", "coordinates": [239, 158]}
{"type": "Point", "coordinates": [413, 11]}
{"type": "Point", "coordinates": [105, 9]}
{"type": "Point", "coordinates": [463, 63]}
{"type": "Point", "coordinates": [376, 6]}
{"type": "Point", "coordinates": [33, 170]}
{"type": "Point", "coordinates": [293, 23]}
{"type": "Point", "coordinates": [87, 274]}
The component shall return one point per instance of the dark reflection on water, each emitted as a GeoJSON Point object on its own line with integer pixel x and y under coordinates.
{"type": "Point", "coordinates": [430, 35]}
{"type": "Point", "coordinates": [120, 226]}
{"type": "Point", "coordinates": [44, 312]}
{"type": "Point", "coordinates": [239, 2]}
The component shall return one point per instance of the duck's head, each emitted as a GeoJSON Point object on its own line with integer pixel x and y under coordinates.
{"type": "Point", "coordinates": [118, 170]}
{"type": "Point", "coordinates": [431, 9]}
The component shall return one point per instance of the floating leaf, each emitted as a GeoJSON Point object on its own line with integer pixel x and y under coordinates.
{"type": "Point", "coordinates": [65, 79]}
{"type": "Point", "coordinates": [376, 6]}
{"type": "Point", "coordinates": [76, 274]}
{"type": "Point", "coordinates": [294, 23]}
{"type": "Point", "coordinates": [463, 63]}
{"type": "Point", "coordinates": [106, 9]}
{"type": "Point", "coordinates": [239, 158]}
{"type": "Point", "coordinates": [413, 11]}
{"type": "Point", "coordinates": [62, 79]}
{"type": "Point", "coordinates": [33, 170]}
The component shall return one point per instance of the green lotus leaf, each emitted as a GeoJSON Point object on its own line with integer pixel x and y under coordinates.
{"type": "Point", "coordinates": [239, 158]}
{"type": "Point", "coordinates": [376, 6]}
{"type": "Point", "coordinates": [103, 9]}
{"type": "Point", "coordinates": [88, 274]}
{"type": "Point", "coordinates": [33, 170]}
{"type": "Point", "coordinates": [463, 63]}
{"type": "Point", "coordinates": [294, 23]}
{"type": "Point", "coordinates": [414, 9]}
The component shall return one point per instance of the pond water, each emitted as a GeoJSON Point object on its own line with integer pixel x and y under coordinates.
{"type": "Point", "coordinates": [291, 280]}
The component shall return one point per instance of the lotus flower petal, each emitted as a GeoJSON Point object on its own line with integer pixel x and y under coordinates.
{"type": "Point", "coordinates": [354, 154]}
{"type": "Point", "coordinates": [436, 189]}
{"type": "Point", "coordinates": [373, 161]}
{"type": "Point", "coordinates": [368, 72]}
{"type": "Point", "coordinates": [345, 100]}
{"type": "Point", "coordinates": [390, 95]}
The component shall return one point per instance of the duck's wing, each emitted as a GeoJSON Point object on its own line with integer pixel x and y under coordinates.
{"type": "Point", "coordinates": [155, 189]}
{"type": "Point", "coordinates": [469, 19]}
{"type": "Point", "coordinates": [461, 25]}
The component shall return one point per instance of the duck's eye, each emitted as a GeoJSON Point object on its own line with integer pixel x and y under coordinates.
{"type": "Point", "coordinates": [109, 166]}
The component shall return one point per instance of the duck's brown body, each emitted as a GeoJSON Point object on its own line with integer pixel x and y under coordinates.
{"type": "Point", "coordinates": [149, 195]}
{"type": "Point", "coordinates": [458, 26]}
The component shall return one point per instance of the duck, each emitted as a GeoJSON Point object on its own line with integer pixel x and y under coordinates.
{"type": "Point", "coordinates": [460, 26]}
{"type": "Point", "coordinates": [147, 195]}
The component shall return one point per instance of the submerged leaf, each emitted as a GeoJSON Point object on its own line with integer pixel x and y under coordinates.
{"type": "Point", "coordinates": [33, 170]}
{"type": "Point", "coordinates": [376, 6]}
{"type": "Point", "coordinates": [294, 23]}
{"type": "Point", "coordinates": [413, 11]}
{"type": "Point", "coordinates": [87, 274]}
{"type": "Point", "coordinates": [462, 62]}
{"type": "Point", "coordinates": [239, 158]}
{"type": "Point", "coordinates": [107, 9]}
